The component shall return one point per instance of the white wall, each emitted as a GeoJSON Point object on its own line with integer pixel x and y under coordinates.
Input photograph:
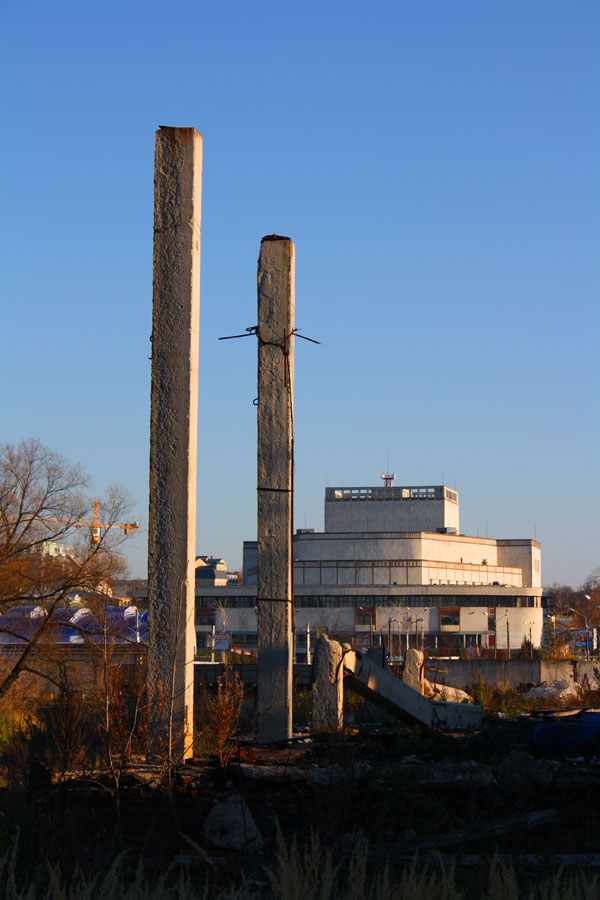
{"type": "Point", "coordinates": [390, 515]}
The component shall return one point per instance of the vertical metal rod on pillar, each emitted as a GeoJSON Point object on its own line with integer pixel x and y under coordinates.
{"type": "Point", "coordinates": [275, 332]}
{"type": "Point", "coordinates": [173, 440]}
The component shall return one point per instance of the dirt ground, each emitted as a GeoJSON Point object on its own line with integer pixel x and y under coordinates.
{"type": "Point", "coordinates": [402, 789]}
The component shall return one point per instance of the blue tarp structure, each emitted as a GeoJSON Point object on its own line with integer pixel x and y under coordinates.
{"type": "Point", "coordinates": [113, 624]}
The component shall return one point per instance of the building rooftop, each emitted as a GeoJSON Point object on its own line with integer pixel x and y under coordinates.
{"type": "Point", "coordinates": [396, 492]}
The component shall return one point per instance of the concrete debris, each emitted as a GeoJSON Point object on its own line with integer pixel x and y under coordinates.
{"type": "Point", "coordinates": [443, 692]}
{"type": "Point", "coordinates": [449, 774]}
{"type": "Point", "coordinates": [519, 772]}
{"type": "Point", "coordinates": [524, 822]}
{"type": "Point", "coordinates": [397, 696]}
{"type": "Point", "coordinates": [230, 825]}
{"type": "Point", "coordinates": [554, 690]}
{"type": "Point", "coordinates": [580, 777]}
{"type": "Point", "coordinates": [322, 776]}
{"type": "Point", "coordinates": [414, 676]}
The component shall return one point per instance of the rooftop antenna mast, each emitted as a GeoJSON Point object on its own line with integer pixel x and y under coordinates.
{"type": "Point", "coordinates": [388, 479]}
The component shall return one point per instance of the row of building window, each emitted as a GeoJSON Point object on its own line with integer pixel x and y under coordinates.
{"type": "Point", "coordinates": [390, 563]}
{"type": "Point", "coordinates": [334, 601]}
{"type": "Point", "coordinates": [362, 641]}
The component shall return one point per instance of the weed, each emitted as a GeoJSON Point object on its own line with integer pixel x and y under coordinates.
{"type": "Point", "coordinates": [217, 717]}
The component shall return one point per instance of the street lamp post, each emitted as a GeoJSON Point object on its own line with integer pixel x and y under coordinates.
{"type": "Point", "coordinates": [390, 637]}
{"type": "Point", "coordinates": [495, 633]}
{"type": "Point", "coordinates": [530, 644]}
{"type": "Point", "coordinates": [415, 622]}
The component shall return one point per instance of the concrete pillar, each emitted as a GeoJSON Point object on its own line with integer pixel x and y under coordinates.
{"type": "Point", "coordinates": [173, 439]}
{"type": "Point", "coordinates": [328, 686]}
{"type": "Point", "coordinates": [274, 486]}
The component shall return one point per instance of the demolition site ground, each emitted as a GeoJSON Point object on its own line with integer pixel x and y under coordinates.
{"type": "Point", "coordinates": [390, 794]}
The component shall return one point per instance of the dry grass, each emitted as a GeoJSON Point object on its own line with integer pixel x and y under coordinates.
{"type": "Point", "coordinates": [217, 717]}
{"type": "Point", "coordinates": [306, 872]}
{"type": "Point", "coordinates": [511, 702]}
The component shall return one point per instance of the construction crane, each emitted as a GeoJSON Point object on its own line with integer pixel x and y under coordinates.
{"type": "Point", "coordinates": [96, 526]}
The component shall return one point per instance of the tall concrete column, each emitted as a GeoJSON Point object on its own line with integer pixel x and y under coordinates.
{"type": "Point", "coordinates": [276, 303]}
{"type": "Point", "coordinates": [173, 439]}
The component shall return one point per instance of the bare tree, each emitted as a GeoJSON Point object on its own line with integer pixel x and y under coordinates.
{"type": "Point", "coordinates": [560, 598]}
{"type": "Point", "coordinates": [592, 582]}
{"type": "Point", "coordinates": [48, 548]}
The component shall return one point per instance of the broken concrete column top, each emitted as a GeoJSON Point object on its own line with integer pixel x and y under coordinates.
{"type": "Point", "coordinates": [414, 670]}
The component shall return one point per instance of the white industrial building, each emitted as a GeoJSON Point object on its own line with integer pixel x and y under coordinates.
{"type": "Point", "coordinates": [392, 567]}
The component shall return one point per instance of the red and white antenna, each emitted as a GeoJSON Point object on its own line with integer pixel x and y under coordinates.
{"type": "Point", "coordinates": [388, 480]}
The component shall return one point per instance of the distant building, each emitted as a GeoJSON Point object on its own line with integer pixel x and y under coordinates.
{"type": "Point", "coordinates": [211, 570]}
{"type": "Point", "coordinates": [392, 566]}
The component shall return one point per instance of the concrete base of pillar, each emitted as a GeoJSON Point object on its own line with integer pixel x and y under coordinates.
{"type": "Point", "coordinates": [328, 690]}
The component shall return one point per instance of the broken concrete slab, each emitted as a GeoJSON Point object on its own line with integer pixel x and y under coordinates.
{"type": "Point", "coordinates": [576, 777]}
{"type": "Point", "coordinates": [327, 775]}
{"type": "Point", "coordinates": [230, 824]}
{"type": "Point", "coordinates": [441, 692]}
{"type": "Point", "coordinates": [520, 772]}
{"type": "Point", "coordinates": [524, 822]}
{"type": "Point", "coordinates": [554, 690]}
{"type": "Point", "coordinates": [448, 774]}
{"type": "Point", "coordinates": [384, 689]}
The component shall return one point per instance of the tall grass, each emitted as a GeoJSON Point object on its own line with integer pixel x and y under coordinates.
{"type": "Point", "coordinates": [306, 872]}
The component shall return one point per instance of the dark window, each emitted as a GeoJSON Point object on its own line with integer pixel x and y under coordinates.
{"type": "Point", "coordinates": [205, 617]}
{"type": "Point", "coordinates": [365, 616]}
{"type": "Point", "coordinates": [449, 615]}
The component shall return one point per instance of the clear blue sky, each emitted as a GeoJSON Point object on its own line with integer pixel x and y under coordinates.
{"type": "Point", "coordinates": [436, 164]}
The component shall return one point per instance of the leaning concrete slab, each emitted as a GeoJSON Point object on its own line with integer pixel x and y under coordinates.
{"type": "Point", "coordinates": [392, 694]}
{"type": "Point", "coordinates": [173, 439]}
{"type": "Point", "coordinates": [274, 486]}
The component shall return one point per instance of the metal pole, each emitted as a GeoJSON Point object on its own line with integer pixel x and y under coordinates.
{"type": "Point", "coordinates": [507, 639]}
{"type": "Point", "coordinates": [587, 640]}
{"type": "Point", "coordinates": [530, 644]}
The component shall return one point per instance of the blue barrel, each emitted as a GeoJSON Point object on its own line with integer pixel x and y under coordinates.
{"type": "Point", "coordinates": [569, 736]}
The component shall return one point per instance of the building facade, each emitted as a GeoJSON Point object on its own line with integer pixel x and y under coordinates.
{"type": "Point", "coordinates": [391, 567]}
